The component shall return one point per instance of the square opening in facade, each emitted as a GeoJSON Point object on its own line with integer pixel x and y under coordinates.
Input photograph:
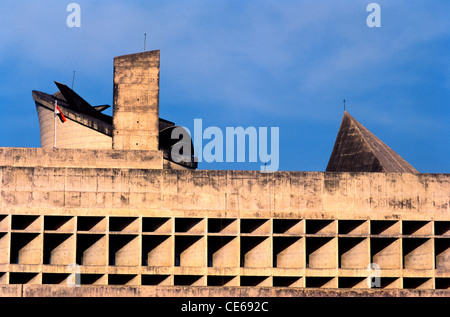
{"type": "Point", "coordinates": [255, 252]}
{"type": "Point", "coordinates": [123, 224]}
{"type": "Point", "coordinates": [255, 280]}
{"type": "Point", "coordinates": [216, 280]}
{"type": "Point", "coordinates": [442, 228]}
{"type": "Point", "coordinates": [442, 253]}
{"type": "Point", "coordinates": [288, 252]}
{"type": "Point", "coordinates": [223, 251]}
{"type": "Point", "coordinates": [417, 253]}
{"type": "Point", "coordinates": [28, 223]}
{"type": "Point", "coordinates": [190, 251]}
{"type": "Point", "coordinates": [4, 248]}
{"type": "Point", "coordinates": [4, 277]}
{"type": "Point", "coordinates": [255, 226]}
{"type": "Point", "coordinates": [287, 281]}
{"type": "Point", "coordinates": [321, 282]}
{"type": "Point", "coordinates": [352, 282]}
{"type": "Point", "coordinates": [442, 282]}
{"type": "Point", "coordinates": [320, 226]}
{"type": "Point", "coordinates": [55, 278]}
{"type": "Point", "coordinates": [353, 253]}
{"type": "Point", "coordinates": [123, 279]}
{"type": "Point", "coordinates": [321, 252]}
{"type": "Point", "coordinates": [59, 223]}
{"type": "Point", "coordinates": [124, 250]}
{"type": "Point", "coordinates": [387, 282]}
{"type": "Point", "coordinates": [385, 252]}
{"type": "Point", "coordinates": [188, 280]}
{"type": "Point", "coordinates": [157, 225]}
{"type": "Point", "coordinates": [417, 228]}
{"type": "Point", "coordinates": [26, 248]}
{"type": "Point", "coordinates": [288, 226]}
{"type": "Point", "coordinates": [384, 227]}
{"type": "Point", "coordinates": [24, 278]}
{"type": "Point", "coordinates": [353, 227]}
{"type": "Point", "coordinates": [4, 222]}
{"type": "Point", "coordinates": [59, 248]}
{"type": "Point", "coordinates": [417, 282]}
{"type": "Point", "coordinates": [157, 250]}
{"type": "Point", "coordinates": [147, 279]}
{"type": "Point", "coordinates": [91, 223]}
{"type": "Point", "coordinates": [91, 249]}
{"type": "Point", "coordinates": [92, 279]}
{"type": "Point", "coordinates": [189, 225]}
{"type": "Point", "coordinates": [222, 225]}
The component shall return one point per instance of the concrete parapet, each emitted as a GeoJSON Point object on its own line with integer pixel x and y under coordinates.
{"type": "Point", "coordinates": [125, 179]}
{"type": "Point", "coordinates": [199, 291]}
{"type": "Point", "coordinates": [85, 158]}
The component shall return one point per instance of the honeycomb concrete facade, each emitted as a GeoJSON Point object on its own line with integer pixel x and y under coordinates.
{"type": "Point", "coordinates": [148, 227]}
{"type": "Point", "coordinates": [119, 222]}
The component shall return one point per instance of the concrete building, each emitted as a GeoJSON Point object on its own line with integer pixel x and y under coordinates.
{"type": "Point", "coordinates": [108, 212]}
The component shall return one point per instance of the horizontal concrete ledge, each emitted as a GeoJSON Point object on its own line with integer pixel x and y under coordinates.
{"type": "Point", "coordinates": [204, 291]}
{"type": "Point", "coordinates": [80, 158]}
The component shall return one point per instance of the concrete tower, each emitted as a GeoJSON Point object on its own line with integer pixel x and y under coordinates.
{"type": "Point", "coordinates": [136, 102]}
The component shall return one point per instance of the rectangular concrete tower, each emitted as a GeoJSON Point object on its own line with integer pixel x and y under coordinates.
{"type": "Point", "coordinates": [136, 101]}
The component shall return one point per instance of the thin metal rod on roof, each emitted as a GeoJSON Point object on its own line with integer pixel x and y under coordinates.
{"type": "Point", "coordinates": [145, 40]}
{"type": "Point", "coordinates": [73, 79]}
{"type": "Point", "coordinates": [344, 104]}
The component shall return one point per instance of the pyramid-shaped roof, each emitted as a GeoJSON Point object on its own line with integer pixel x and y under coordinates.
{"type": "Point", "coordinates": [358, 150]}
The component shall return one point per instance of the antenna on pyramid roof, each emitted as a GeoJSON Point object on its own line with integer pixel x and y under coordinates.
{"type": "Point", "coordinates": [73, 79]}
{"type": "Point", "coordinates": [145, 40]}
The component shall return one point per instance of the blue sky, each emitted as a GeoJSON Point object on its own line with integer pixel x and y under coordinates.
{"type": "Point", "coordinates": [286, 64]}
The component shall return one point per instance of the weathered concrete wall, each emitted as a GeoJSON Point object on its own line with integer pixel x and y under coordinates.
{"type": "Point", "coordinates": [158, 227]}
{"type": "Point", "coordinates": [215, 193]}
{"type": "Point", "coordinates": [136, 101]}
{"type": "Point", "coordinates": [180, 291]}
{"type": "Point", "coordinates": [88, 158]}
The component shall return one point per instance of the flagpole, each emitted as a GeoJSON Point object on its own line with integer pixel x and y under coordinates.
{"type": "Point", "coordinates": [54, 114]}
